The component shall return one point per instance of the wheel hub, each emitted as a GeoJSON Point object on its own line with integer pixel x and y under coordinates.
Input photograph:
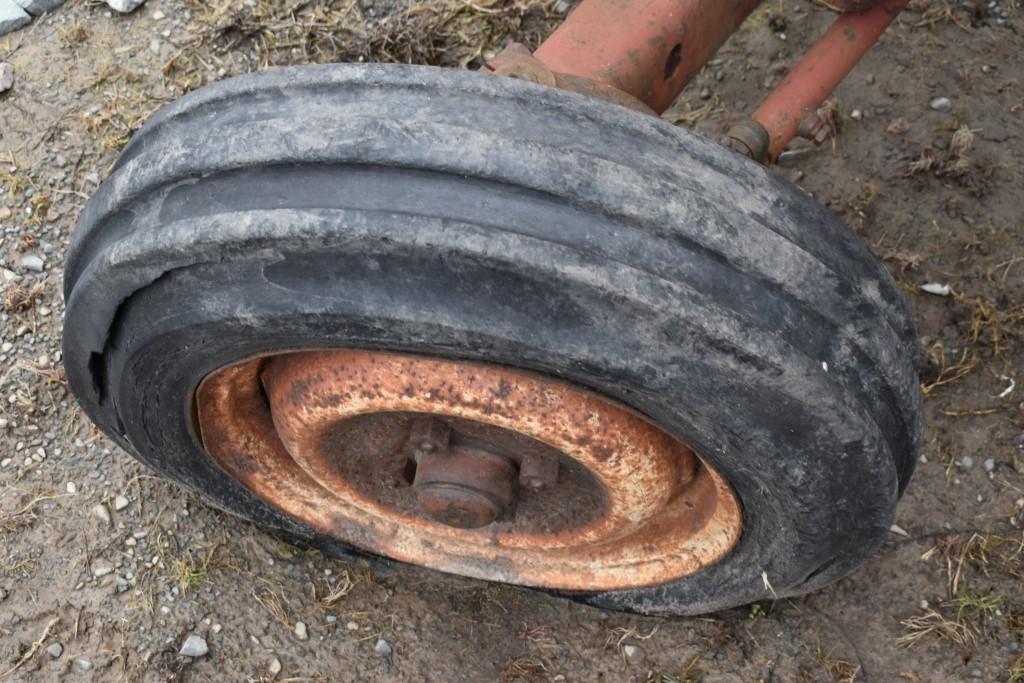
{"type": "Point", "coordinates": [469, 468]}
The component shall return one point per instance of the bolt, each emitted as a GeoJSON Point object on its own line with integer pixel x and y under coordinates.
{"type": "Point", "coordinates": [430, 435]}
{"type": "Point", "coordinates": [537, 472]}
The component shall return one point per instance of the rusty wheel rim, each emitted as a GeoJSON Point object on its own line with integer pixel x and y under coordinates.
{"type": "Point", "coordinates": [469, 468]}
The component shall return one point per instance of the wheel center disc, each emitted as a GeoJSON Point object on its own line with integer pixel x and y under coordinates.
{"type": "Point", "coordinates": [469, 468]}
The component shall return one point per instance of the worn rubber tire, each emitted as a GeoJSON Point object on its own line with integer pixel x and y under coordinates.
{"type": "Point", "coordinates": [469, 216]}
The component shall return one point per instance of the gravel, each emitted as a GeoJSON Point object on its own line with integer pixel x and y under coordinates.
{"type": "Point", "coordinates": [301, 632]}
{"type": "Point", "coordinates": [383, 648]}
{"type": "Point", "coordinates": [941, 104]}
{"type": "Point", "coordinates": [55, 650]}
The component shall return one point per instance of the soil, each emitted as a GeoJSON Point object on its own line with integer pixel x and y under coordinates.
{"type": "Point", "coordinates": [938, 206]}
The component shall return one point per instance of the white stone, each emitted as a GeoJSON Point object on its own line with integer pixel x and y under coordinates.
{"type": "Point", "coordinates": [55, 650]}
{"type": "Point", "coordinates": [383, 648]}
{"type": "Point", "coordinates": [120, 503]}
{"type": "Point", "coordinates": [124, 6]}
{"type": "Point", "coordinates": [101, 513]}
{"type": "Point", "coordinates": [101, 568]}
{"type": "Point", "coordinates": [37, 7]}
{"type": "Point", "coordinates": [31, 261]}
{"type": "Point", "coordinates": [301, 632]}
{"type": "Point", "coordinates": [275, 667]}
{"type": "Point", "coordinates": [941, 104]}
{"type": "Point", "coordinates": [12, 16]}
{"type": "Point", "coordinates": [6, 76]}
{"type": "Point", "coordinates": [194, 646]}
{"type": "Point", "coordinates": [936, 288]}
{"type": "Point", "coordinates": [71, 488]}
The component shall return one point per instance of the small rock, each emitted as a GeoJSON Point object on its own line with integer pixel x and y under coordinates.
{"type": "Point", "coordinates": [120, 503]}
{"type": "Point", "coordinates": [37, 7]}
{"type": "Point", "coordinates": [856, 114]}
{"type": "Point", "coordinates": [633, 653]}
{"type": "Point", "coordinates": [301, 632]}
{"type": "Point", "coordinates": [12, 17]}
{"type": "Point", "coordinates": [31, 262]}
{"type": "Point", "coordinates": [941, 104]}
{"type": "Point", "coordinates": [936, 288]}
{"type": "Point", "coordinates": [52, 215]}
{"type": "Point", "coordinates": [275, 667]}
{"type": "Point", "coordinates": [966, 462]}
{"type": "Point", "coordinates": [194, 646]}
{"type": "Point", "coordinates": [101, 513]}
{"type": "Point", "coordinates": [101, 568]}
{"type": "Point", "coordinates": [989, 464]}
{"type": "Point", "coordinates": [124, 6]}
{"type": "Point", "coordinates": [5, 213]}
{"type": "Point", "coordinates": [71, 488]}
{"type": "Point", "coordinates": [352, 626]}
{"type": "Point", "coordinates": [6, 80]}
{"type": "Point", "coordinates": [83, 664]}
{"type": "Point", "coordinates": [55, 650]}
{"type": "Point", "coordinates": [383, 648]}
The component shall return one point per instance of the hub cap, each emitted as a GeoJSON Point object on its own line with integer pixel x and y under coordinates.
{"type": "Point", "coordinates": [469, 468]}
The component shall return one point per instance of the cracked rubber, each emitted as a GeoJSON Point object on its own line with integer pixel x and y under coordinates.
{"type": "Point", "coordinates": [475, 217]}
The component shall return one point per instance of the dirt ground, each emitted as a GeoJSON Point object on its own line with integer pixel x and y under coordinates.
{"type": "Point", "coordinates": [935, 190]}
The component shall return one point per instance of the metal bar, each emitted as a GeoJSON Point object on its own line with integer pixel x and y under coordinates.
{"type": "Point", "coordinates": [649, 49]}
{"type": "Point", "coordinates": [821, 70]}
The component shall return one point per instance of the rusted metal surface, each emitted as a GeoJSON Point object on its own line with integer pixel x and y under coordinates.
{"type": "Point", "coordinates": [748, 138]}
{"type": "Point", "coordinates": [648, 49]}
{"type": "Point", "coordinates": [466, 488]}
{"type": "Point", "coordinates": [627, 505]}
{"type": "Point", "coordinates": [821, 70]}
{"type": "Point", "coordinates": [515, 61]}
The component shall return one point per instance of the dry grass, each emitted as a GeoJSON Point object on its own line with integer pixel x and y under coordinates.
{"type": "Point", "coordinates": [19, 300]}
{"type": "Point", "coordinates": [935, 625]}
{"type": "Point", "coordinates": [341, 587]}
{"type": "Point", "coordinates": [455, 33]}
{"type": "Point", "coordinates": [968, 614]}
{"type": "Point", "coordinates": [125, 106]}
{"type": "Point", "coordinates": [683, 113]}
{"type": "Point", "coordinates": [273, 603]}
{"type": "Point", "coordinates": [1017, 670]}
{"type": "Point", "coordinates": [523, 669]}
{"type": "Point", "coordinates": [935, 12]}
{"type": "Point", "coordinates": [617, 637]}
{"type": "Point", "coordinates": [837, 670]}
{"type": "Point", "coordinates": [955, 161]}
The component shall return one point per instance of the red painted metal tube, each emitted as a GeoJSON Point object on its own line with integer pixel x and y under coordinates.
{"type": "Point", "coordinates": [649, 49]}
{"type": "Point", "coordinates": [821, 70]}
